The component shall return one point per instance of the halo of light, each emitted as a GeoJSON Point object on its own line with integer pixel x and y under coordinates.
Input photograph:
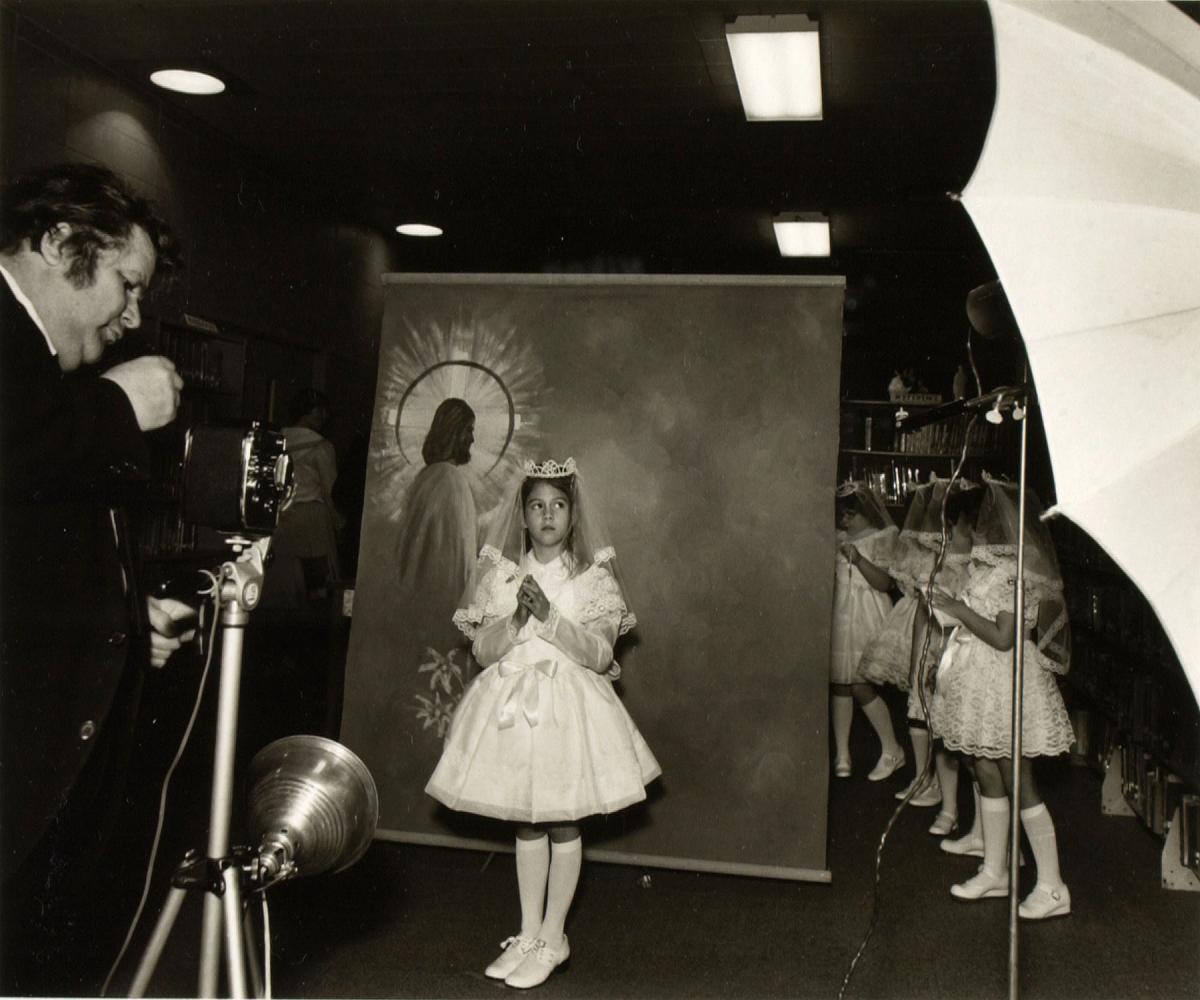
{"type": "Point", "coordinates": [187, 81]}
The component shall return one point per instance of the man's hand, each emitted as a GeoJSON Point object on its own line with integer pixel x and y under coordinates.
{"type": "Point", "coordinates": [153, 387]}
{"type": "Point", "coordinates": [170, 623]}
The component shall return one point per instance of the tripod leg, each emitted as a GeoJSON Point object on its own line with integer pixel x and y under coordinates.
{"type": "Point", "coordinates": [235, 958]}
{"type": "Point", "coordinates": [210, 946]}
{"type": "Point", "coordinates": [256, 979]}
{"type": "Point", "coordinates": [158, 941]}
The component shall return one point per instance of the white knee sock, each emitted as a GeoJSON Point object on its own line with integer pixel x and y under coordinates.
{"type": "Point", "coordinates": [533, 866]}
{"type": "Point", "coordinates": [843, 716]}
{"type": "Point", "coordinates": [1039, 828]}
{"type": "Point", "coordinates": [566, 859]}
{"type": "Point", "coordinates": [994, 815]}
{"type": "Point", "coordinates": [877, 714]}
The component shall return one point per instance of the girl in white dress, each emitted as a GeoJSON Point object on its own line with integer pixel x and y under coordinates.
{"type": "Point", "coordinates": [540, 737]}
{"type": "Point", "coordinates": [972, 704]}
{"type": "Point", "coordinates": [926, 548]}
{"type": "Point", "coordinates": [866, 540]}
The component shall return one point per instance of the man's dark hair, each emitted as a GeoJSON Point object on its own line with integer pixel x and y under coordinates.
{"type": "Point", "coordinates": [98, 206]}
{"type": "Point", "coordinates": [451, 417]}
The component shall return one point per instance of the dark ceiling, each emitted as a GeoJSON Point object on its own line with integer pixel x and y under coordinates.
{"type": "Point", "coordinates": [598, 134]}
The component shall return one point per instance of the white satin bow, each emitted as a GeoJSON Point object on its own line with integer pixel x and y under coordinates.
{"type": "Point", "coordinates": [525, 692]}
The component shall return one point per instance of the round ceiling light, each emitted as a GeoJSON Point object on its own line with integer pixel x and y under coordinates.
{"type": "Point", "coordinates": [187, 81]}
{"type": "Point", "coordinates": [418, 229]}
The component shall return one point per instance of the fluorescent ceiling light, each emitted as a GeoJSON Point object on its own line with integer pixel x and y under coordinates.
{"type": "Point", "coordinates": [802, 235]}
{"type": "Point", "coordinates": [418, 229]}
{"type": "Point", "coordinates": [777, 62]}
{"type": "Point", "coordinates": [187, 81]}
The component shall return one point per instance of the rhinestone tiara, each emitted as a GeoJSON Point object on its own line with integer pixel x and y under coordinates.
{"type": "Point", "coordinates": [549, 469]}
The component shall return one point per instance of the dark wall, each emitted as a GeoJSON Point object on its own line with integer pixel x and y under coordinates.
{"type": "Point", "coordinates": [262, 257]}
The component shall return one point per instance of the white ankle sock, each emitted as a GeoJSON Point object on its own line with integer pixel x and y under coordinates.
{"type": "Point", "coordinates": [566, 860]}
{"type": "Point", "coordinates": [1039, 828]}
{"type": "Point", "coordinates": [877, 714]}
{"type": "Point", "coordinates": [533, 867]}
{"type": "Point", "coordinates": [843, 715]}
{"type": "Point", "coordinates": [994, 814]}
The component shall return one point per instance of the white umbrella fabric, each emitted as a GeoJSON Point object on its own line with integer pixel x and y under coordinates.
{"type": "Point", "coordinates": [1087, 197]}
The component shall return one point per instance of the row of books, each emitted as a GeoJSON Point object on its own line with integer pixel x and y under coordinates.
{"type": "Point", "coordinates": [948, 437]}
{"type": "Point", "coordinates": [200, 360]}
{"type": "Point", "coordinates": [1153, 792]}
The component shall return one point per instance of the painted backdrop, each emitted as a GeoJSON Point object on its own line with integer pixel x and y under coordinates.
{"type": "Point", "coordinates": [706, 410]}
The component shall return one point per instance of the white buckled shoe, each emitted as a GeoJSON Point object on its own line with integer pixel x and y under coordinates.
{"type": "Point", "coordinates": [1045, 901]}
{"type": "Point", "coordinates": [515, 950]}
{"type": "Point", "coordinates": [889, 763]}
{"type": "Point", "coordinates": [982, 885]}
{"type": "Point", "coordinates": [536, 967]}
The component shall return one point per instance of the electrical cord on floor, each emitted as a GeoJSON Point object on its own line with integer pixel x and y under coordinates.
{"type": "Point", "coordinates": [919, 681]}
{"type": "Point", "coordinates": [166, 785]}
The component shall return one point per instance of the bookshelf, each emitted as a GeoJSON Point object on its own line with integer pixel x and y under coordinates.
{"type": "Point", "coordinates": [895, 462]}
{"type": "Point", "coordinates": [212, 364]}
{"type": "Point", "coordinates": [1140, 727]}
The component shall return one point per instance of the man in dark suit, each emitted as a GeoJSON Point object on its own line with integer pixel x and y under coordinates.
{"type": "Point", "coordinates": [78, 251]}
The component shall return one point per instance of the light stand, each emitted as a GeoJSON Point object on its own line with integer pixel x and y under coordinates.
{"type": "Point", "coordinates": [1016, 399]}
{"type": "Point", "coordinates": [238, 588]}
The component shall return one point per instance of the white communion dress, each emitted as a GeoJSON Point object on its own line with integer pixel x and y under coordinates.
{"type": "Point", "coordinates": [971, 708]}
{"type": "Point", "coordinates": [540, 736]}
{"type": "Point", "coordinates": [859, 610]}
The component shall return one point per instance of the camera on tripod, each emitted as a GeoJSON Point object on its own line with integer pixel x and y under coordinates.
{"type": "Point", "coordinates": [236, 477]}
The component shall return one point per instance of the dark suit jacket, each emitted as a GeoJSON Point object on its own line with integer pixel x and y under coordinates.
{"type": "Point", "coordinates": [69, 444]}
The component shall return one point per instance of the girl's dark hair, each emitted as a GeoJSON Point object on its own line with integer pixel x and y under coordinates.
{"type": "Point", "coordinates": [304, 402]}
{"type": "Point", "coordinates": [98, 206]}
{"type": "Point", "coordinates": [961, 502]}
{"type": "Point", "coordinates": [851, 502]}
{"type": "Point", "coordinates": [451, 417]}
{"type": "Point", "coordinates": [564, 484]}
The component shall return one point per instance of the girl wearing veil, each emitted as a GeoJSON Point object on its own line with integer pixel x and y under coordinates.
{"type": "Point", "coordinates": [866, 539]}
{"type": "Point", "coordinates": [540, 737]}
{"type": "Point", "coordinates": [971, 708]}
{"type": "Point", "coordinates": [894, 655]}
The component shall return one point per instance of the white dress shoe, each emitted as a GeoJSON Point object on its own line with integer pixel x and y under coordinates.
{"type": "Point", "coordinates": [515, 950]}
{"type": "Point", "coordinates": [536, 967]}
{"type": "Point", "coordinates": [982, 885]}
{"type": "Point", "coordinates": [968, 844]}
{"type": "Point", "coordinates": [944, 825]}
{"type": "Point", "coordinates": [1045, 901]}
{"type": "Point", "coordinates": [930, 795]}
{"type": "Point", "coordinates": [841, 767]}
{"type": "Point", "coordinates": [889, 763]}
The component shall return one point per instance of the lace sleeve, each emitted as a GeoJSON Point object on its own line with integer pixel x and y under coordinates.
{"type": "Point", "coordinates": [495, 594]}
{"type": "Point", "coordinates": [603, 603]}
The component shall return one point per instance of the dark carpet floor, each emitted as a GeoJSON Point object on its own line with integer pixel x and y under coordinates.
{"type": "Point", "coordinates": [411, 921]}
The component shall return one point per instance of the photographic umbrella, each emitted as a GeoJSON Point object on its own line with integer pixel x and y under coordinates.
{"type": "Point", "coordinates": [1087, 197]}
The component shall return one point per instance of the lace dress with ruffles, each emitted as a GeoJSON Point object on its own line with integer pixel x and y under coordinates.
{"type": "Point", "coordinates": [859, 609]}
{"type": "Point", "coordinates": [540, 736]}
{"type": "Point", "coordinates": [886, 658]}
{"type": "Point", "coordinates": [971, 707]}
